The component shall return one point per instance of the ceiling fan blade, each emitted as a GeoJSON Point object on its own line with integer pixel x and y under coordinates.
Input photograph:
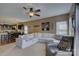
{"type": "Point", "coordinates": [37, 10]}
{"type": "Point", "coordinates": [31, 9]}
{"type": "Point", "coordinates": [37, 14]}
{"type": "Point", "coordinates": [25, 8]}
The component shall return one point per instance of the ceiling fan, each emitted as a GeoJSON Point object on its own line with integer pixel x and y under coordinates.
{"type": "Point", "coordinates": [32, 12]}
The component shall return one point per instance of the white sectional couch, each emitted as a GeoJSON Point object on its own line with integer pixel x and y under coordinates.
{"type": "Point", "coordinates": [30, 39]}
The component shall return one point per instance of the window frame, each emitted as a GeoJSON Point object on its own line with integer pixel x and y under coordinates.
{"type": "Point", "coordinates": [62, 30]}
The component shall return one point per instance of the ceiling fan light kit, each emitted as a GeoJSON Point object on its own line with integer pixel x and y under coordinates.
{"type": "Point", "coordinates": [32, 12]}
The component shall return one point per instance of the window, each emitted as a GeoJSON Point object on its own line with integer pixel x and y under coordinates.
{"type": "Point", "coordinates": [61, 28]}
{"type": "Point", "coordinates": [25, 29]}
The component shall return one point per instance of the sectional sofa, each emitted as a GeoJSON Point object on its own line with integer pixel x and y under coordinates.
{"type": "Point", "coordinates": [24, 41]}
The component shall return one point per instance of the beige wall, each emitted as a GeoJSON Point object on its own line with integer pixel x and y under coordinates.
{"type": "Point", "coordinates": [31, 24]}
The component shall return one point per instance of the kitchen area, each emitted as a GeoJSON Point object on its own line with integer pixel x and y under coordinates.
{"type": "Point", "coordinates": [8, 33]}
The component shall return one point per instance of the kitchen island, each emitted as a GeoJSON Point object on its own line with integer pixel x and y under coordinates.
{"type": "Point", "coordinates": [6, 38]}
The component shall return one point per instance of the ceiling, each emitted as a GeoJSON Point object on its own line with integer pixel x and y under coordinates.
{"type": "Point", "coordinates": [11, 13]}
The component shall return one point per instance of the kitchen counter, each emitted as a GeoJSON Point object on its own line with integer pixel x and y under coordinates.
{"type": "Point", "coordinates": [5, 38]}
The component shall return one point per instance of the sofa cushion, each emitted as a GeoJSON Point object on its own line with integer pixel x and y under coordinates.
{"type": "Point", "coordinates": [26, 37]}
{"type": "Point", "coordinates": [45, 35]}
{"type": "Point", "coordinates": [22, 36]}
{"type": "Point", "coordinates": [58, 37]}
{"type": "Point", "coordinates": [50, 35]}
{"type": "Point", "coordinates": [30, 36]}
{"type": "Point", "coordinates": [38, 35]}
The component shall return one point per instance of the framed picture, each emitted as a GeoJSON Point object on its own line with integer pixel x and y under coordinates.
{"type": "Point", "coordinates": [45, 26]}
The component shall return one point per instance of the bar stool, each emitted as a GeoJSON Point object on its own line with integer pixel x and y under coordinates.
{"type": "Point", "coordinates": [9, 37]}
{"type": "Point", "coordinates": [12, 37]}
{"type": "Point", "coordinates": [6, 38]}
{"type": "Point", "coordinates": [2, 39]}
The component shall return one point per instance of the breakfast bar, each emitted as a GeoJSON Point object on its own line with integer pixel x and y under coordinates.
{"type": "Point", "coordinates": [6, 38]}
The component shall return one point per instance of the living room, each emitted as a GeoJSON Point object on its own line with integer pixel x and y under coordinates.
{"type": "Point", "coordinates": [25, 28]}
